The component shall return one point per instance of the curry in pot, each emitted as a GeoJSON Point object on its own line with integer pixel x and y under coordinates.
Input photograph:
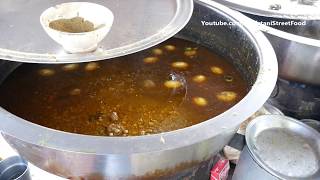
{"type": "Point", "coordinates": [171, 86]}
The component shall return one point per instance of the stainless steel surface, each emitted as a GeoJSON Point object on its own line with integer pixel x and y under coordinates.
{"type": "Point", "coordinates": [288, 9]}
{"type": "Point", "coordinates": [298, 56]}
{"type": "Point", "coordinates": [248, 169]}
{"type": "Point", "coordinates": [14, 168]}
{"type": "Point", "coordinates": [36, 174]}
{"type": "Point", "coordinates": [298, 52]}
{"type": "Point", "coordinates": [312, 123]}
{"type": "Point", "coordinates": [138, 25]}
{"type": "Point", "coordinates": [270, 109]}
{"type": "Point", "coordinates": [284, 147]}
{"type": "Point", "coordinates": [296, 100]}
{"type": "Point", "coordinates": [71, 155]}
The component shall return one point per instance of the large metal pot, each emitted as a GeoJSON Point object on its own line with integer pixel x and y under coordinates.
{"type": "Point", "coordinates": [73, 155]}
{"type": "Point", "coordinates": [292, 27]}
{"type": "Point", "coordinates": [298, 52]}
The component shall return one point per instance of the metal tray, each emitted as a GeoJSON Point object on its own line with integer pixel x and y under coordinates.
{"type": "Point", "coordinates": [138, 25]}
{"type": "Point", "coordinates": [286, 9]}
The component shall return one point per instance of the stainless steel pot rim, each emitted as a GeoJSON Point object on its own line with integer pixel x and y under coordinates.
{"type": "Point", "coordinates": [251, 147]}
{"type": "Point", "coordinates": [262, 88]}
{"type": "Point", "coordinates": [289, 36]}
{"type": "Point", "coordinates": [301, 14]}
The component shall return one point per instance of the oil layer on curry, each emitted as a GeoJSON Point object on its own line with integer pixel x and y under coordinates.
{"type": "Point", "coordinates": [172, 86]}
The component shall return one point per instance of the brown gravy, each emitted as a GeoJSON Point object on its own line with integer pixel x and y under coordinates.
{"type": "Point", "coordinates": [174, 85]}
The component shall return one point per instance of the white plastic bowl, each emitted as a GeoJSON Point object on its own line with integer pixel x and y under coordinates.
{"type": "Point", "coordinates": [99, 15]}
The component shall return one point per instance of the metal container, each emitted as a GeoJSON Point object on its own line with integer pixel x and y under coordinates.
{"type": "Point", "coordinates": [297, 100]}
{"type": "Point", "coordinates": [297, 46]}
{"type": "Point", "coordinates": [269, 109]}
{"type": "Point", "coordinates": [288, 9]}
{"type": "Point", "coordinates": [166, 154]}
{"type": "Point", "coordinates": [297, 43]}
{"type": "Point", "coordinates": [312, 123]}
{"type": "Point", "coordinates": [14, 168]}
{"type": "Point", "coordinates": [279, 147]}
{"type": "Point", "coordinates": [297, 49]}
{"type": "Point", "coordinates": [134, 29]}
